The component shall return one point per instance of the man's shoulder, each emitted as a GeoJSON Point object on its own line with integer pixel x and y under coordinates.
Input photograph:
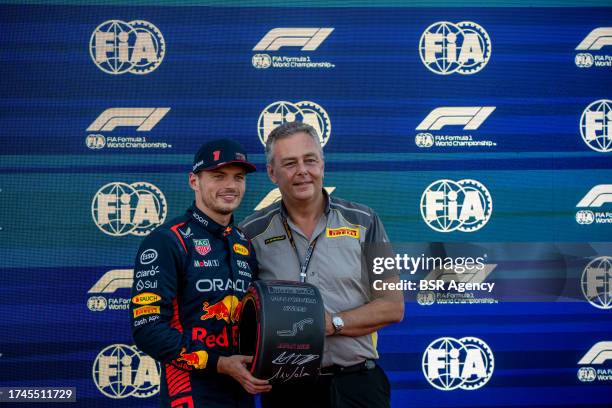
{"type": "Point", "coordinates": [169, 229]}
{"type": "Point", "coordinates": [257, 222]}
{"type": "Point", "coordinates": [355, 213]}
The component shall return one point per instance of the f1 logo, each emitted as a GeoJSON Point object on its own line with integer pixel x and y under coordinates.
{"type": "Point", "coordinates": [597, 196]}
{"type": "Point", "coordinates": [469, 116]}
{"type": "Point", "coordinates": [596, 39]}
{"type": "Point", "coordinates": [307, 38]}
{"type": "Point", "coordinates": [144, 118]}
{"type": "Point", "coordinates": [598, 354]}
{"type": "Point", "coordinates": [113, 280]}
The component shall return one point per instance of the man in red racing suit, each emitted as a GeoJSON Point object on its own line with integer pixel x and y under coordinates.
{"type": "Point", "coordinates": [189, 278]}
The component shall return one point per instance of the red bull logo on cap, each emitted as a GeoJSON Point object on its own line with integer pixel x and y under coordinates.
{"type": "Point", "coordinates": [228, 309]}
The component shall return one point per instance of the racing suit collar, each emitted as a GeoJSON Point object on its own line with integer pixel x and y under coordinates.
{"type": "Point", "coordinates": [283, 209]}
{"type": "Point", "coordinates": [208, 223]}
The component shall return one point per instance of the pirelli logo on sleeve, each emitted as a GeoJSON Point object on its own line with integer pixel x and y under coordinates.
{"type": "Point", "coordinates": [146, 310]}
{"type": "Point", "coordinates": [343, 232]}
{"type": "Point", "coordinates": [241, 249]}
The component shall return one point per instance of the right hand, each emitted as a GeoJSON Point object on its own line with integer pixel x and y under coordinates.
{"type": "Point", "coordinates": [235, 367]}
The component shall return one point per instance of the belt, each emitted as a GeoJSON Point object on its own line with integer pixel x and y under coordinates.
{"type": "Point", "coordinates": [335, 369]}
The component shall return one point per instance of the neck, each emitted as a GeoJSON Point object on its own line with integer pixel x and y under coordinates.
{"type": "Point", "coordinates": [305, 211]}
{"type": "Point", "coordinates": [221, 219]}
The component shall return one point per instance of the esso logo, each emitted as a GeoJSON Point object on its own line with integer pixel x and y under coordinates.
{"type": "Point", "coordinates": [148, 256]}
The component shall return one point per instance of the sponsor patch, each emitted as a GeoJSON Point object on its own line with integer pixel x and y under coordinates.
{"type": "Point", "coordinates": [148, 256]}
{"type": "Point", "coordinates": [197, 359]}
{"type": "Point", "coordinates": [274, 239]}
{"type": "Point", "coordinates": [146, 310]}
{"type": "Point", "coordinates": [202, 246]}
{"type": "Point", "coordinates": [146, 298]}
{"type": "Point", "coordinates": [241, 249]}
{"type": "Point", "coordinates": [207, 263]}
{"type": "Point", "coordinates": [228, 309]}
{"type": "Point", "coordinates": [343, 232]}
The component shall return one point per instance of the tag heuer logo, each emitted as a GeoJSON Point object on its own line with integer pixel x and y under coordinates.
{"type": "Point", "coordinates": [202, 246]}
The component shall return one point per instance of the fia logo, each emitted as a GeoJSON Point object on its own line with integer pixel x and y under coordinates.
{"type": "Point", "coordinates": [595, 125]}
{"type": "Point", "coordinates": [281, 112]}
{"type": "Point", "coordinates": [121, 371]}
{"type": "Point", "coordinates": [596, 282]}
{"type": "Point", "coordinates": [450, 364]}
{"type": "Point", "coordinates": [447, 47]}
{"type": "Point", "coordinates": [120, 209]}
{"type": "Point", "coordinates": [464, 205]}
{"type": "Point", "coordinates": [424, 140]}
{"type": "Point", "coordinates": [117, 47]}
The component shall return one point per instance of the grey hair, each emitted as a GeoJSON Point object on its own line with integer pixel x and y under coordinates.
{"type": "Point", "coordinates": [287, 130]}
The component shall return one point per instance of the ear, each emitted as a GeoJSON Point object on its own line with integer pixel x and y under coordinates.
{"type": "Point", "coordinates": [193, 182]}
{"type": "Point", "coordinates": [270, 170]}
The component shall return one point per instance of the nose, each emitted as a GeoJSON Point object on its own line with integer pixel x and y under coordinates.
{"type": "Point", "coordinates": [301, 167]}
{"type": "Point", "coordinates": [231, 183]}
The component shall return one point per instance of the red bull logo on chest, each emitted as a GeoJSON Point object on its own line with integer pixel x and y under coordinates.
{"type": "Point", "coordinates": [228, 309]}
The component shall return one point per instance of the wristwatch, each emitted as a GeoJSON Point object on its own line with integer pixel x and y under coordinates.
{"type": "Point", "coordinates": [338, 323]}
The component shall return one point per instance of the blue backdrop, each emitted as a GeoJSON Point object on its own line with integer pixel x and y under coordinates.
{"type": "Point", "coordinates": [61, 305]}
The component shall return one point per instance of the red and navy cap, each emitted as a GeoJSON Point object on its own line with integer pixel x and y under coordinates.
{"type": "Point", "coordinates": [221, 152]}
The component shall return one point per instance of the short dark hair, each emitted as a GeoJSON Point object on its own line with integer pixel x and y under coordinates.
{"type": "Point", "coordinates": [289, 129]}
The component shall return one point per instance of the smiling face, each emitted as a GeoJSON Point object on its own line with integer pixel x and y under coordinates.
{"type": "Point", "coordinates": [219, 192]}
{"type": "Point", "coordinates": [297, 167]}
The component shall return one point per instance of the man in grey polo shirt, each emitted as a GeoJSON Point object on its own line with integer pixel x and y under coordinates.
{"type": "Point", "coordinates": [310, 236]}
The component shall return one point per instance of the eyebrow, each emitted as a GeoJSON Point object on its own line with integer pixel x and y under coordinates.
{"type": "Point", "coordinates": [307, 155]}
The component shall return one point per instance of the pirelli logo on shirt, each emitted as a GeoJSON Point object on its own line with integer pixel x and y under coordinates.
{"type": "Point", "coordinates": [146, 310]}
{"type": "Point", "coordinates": [343, 232]}
{"type": "Point", "coordinates": [241, 249]}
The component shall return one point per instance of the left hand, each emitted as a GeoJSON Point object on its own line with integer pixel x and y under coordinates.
{"type": "Point", "coordinates": [235, 366]}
